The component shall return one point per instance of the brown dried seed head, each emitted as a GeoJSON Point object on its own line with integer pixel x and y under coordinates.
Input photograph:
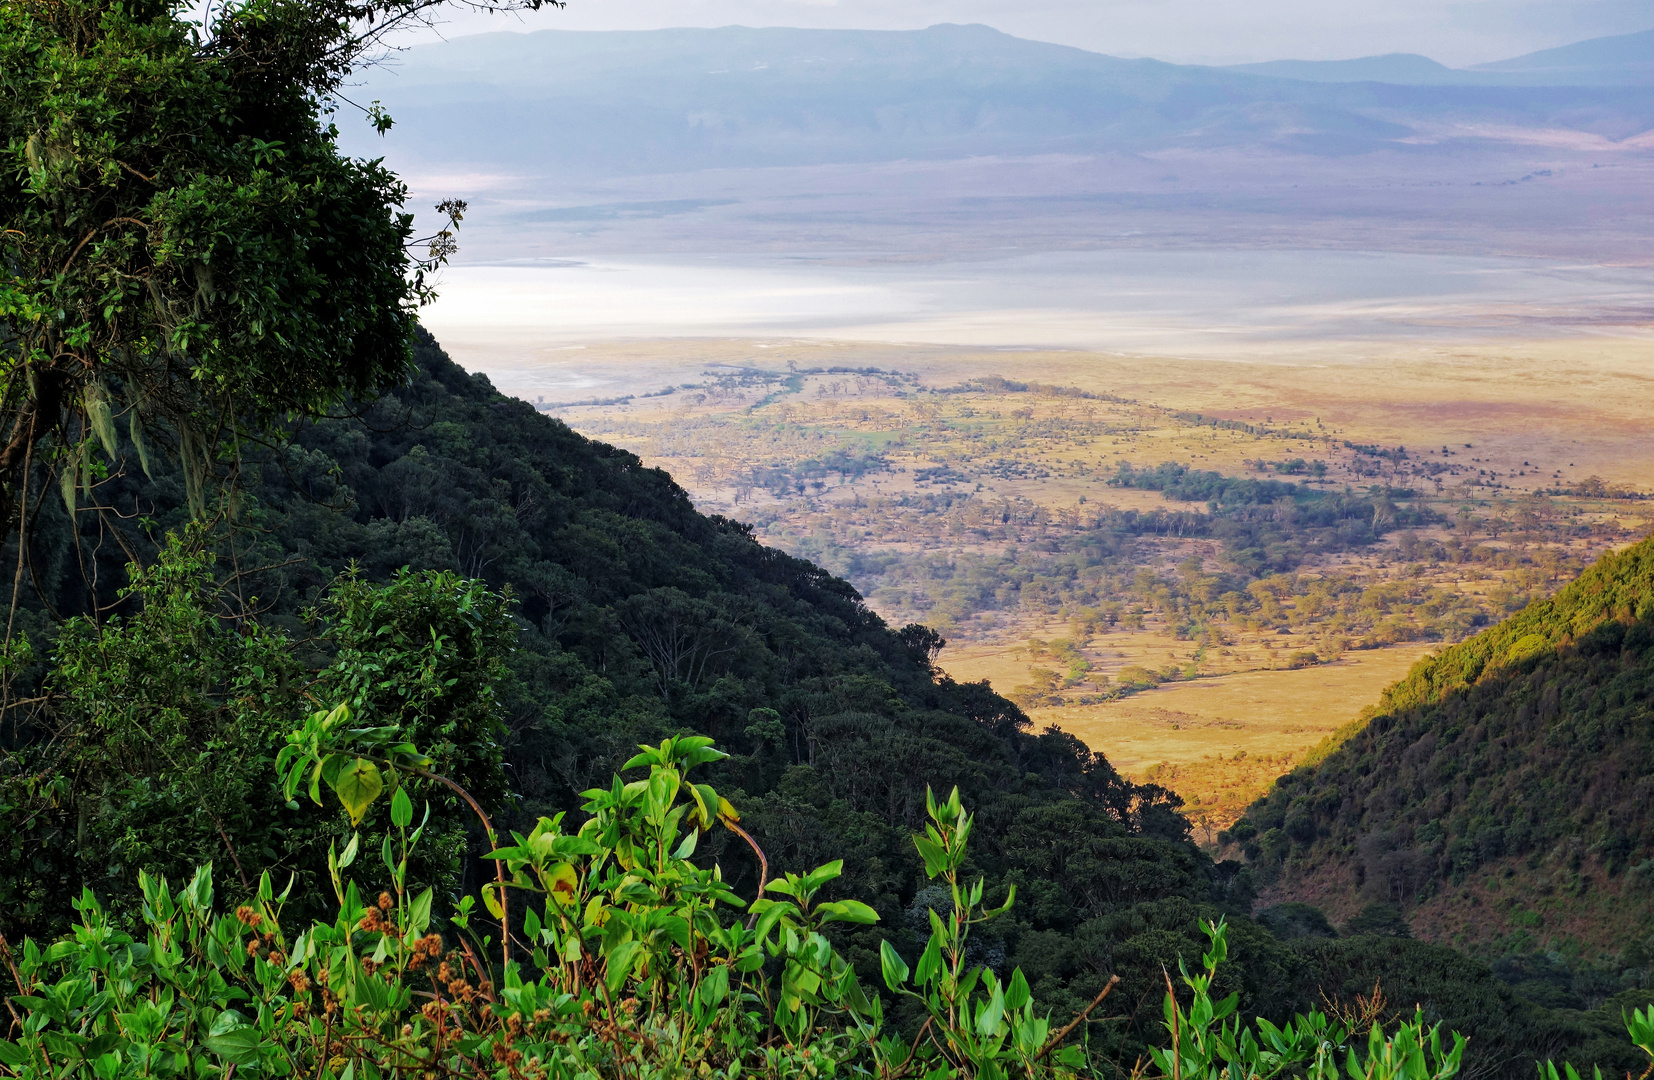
{"type": "Point", "coordinates": [385, 901]}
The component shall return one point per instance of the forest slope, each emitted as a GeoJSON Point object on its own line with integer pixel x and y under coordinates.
{"type": "Point", "coordinates": [638, 618]}
{"type": "Point", "coordinates": [1513, 773]}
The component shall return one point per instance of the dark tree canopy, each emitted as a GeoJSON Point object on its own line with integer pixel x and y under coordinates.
{"type": "Point", "coordinates": [185, 249]}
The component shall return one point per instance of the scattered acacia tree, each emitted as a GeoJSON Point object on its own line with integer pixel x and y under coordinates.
{"type": "Point", "coordinates": [183, 248]}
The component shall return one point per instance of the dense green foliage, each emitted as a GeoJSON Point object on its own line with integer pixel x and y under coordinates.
{"type": "Point", "coordinates": [1511, 772]}
{"type": "Point", "coordinates": [153, 740]}
{"type": "Point", "coordinates": [640, 966]}
{"type": "Point", "coordinates": [836, 723]}
{"type": "Point", "coordinates": [1533, 734]}
{"type": "Point", "coordinates": [183, 243]}
{"type": "Point", "coordinates": [504, 610]}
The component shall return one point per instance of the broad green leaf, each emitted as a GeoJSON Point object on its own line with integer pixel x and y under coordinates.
{"type": "Point", "coordinates": [893, 967]}
{"type": "Point", "coordinates": [715, 987]}
{"type": "Point", "coordinates": [987, 1020]}
{"type": "Point", "coordinates": [850, 911]}
{"type": "Point", "coordinates": [620, 964]}
{"type": "Point", "coordinates": [401, 808]}
{"type": "Point", "coordinates": [930, 962]}
{"type": "Point", "coordinates": [358, 784]}
{"type": "Point", "coordinates": [936, 859]}
{"type": "Point", "coordinates": [239, 1045]}
{"type": "Point", "coordinates": [419, 914]}
{"type": "Point", "coordinates": [1017, 993]}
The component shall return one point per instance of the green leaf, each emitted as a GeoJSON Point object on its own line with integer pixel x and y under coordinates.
{"type": "Point", "coordinates": [936, 859]}
{"type": "Point", "coordinates": [620, 964]}
{"type": "Point", "coordinates": [987, 1021]}
{"type": "Point", "coordinates": [892, 966]}
{"type": "Point", "coordinates": [359, 783]}
{"type": "Point", "coordinates": [401, 808]}
{"type": "Point", "coordinates": [239, 1045]}
{"type": "Point", "coordinates": [1017, 994]}
{"type": "Point", "coordinates": [850, 911]}
{"type": "Point", "coordinates": [930, 961]}
{"type": "Point", "coordinates": [531, 925]}
{"type": "Point", "coordinates": [419, 914]}
{"type": "Point", "coordinates": [715, 987]}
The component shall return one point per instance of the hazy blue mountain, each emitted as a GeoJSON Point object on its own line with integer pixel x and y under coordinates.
{"type": "Point", "coordinates": [1623, 60]}
{"type": "Point", "coordinates": [1626, 60]}
{"type": "Point", "coordinates": [1401, 69]}
{"type": "Point", "coordinates": [582, 104]}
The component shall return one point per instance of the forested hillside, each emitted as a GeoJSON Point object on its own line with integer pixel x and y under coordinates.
{"type": "Point", "coordinates": [635, 618]}
{"type": "Point", "coordinates": [1503, 793]}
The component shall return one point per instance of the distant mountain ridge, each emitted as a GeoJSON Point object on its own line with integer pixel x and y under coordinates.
{"type": "Point", "coordinates": [1399, 69]}
{"type": "Point", "coordinates": [560, 103]}
{"type": "Point", "coordinates": [1623, 60]}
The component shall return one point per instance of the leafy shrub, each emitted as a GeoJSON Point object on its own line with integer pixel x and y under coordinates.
{"type": "Point", "coordinates": [638, 963]}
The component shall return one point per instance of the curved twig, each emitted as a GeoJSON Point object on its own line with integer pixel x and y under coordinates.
{"type": "Point", "coordinates": [1052, 1043]}
{"type": "Point", "coordinates": [763, 863]}
{"type": "Point", "coordinates": [499, 864]}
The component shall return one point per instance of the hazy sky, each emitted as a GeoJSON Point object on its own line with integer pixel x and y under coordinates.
{"type": "Point", "coordinates": [1456, 32]}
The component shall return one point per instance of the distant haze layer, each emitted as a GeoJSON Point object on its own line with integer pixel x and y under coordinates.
{"type": "Point", "coordinates": [1234, 304]}
{"type": "Point", "coordinates": [957, 184]}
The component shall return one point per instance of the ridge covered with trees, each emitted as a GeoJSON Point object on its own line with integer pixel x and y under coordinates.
{"type": "Point", "coordinates": [1512, 770]}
